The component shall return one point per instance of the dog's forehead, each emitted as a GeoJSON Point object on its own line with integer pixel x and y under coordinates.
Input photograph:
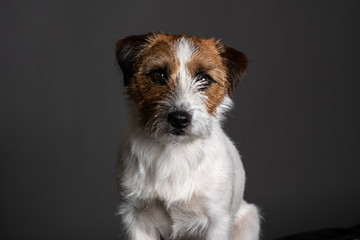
{"type": "Point", "coordinates": [182, 41]}
{"type": "Point", "coordinates": [166, 49]}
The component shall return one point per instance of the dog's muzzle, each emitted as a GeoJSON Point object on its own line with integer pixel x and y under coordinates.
{"type": "Point", "coordinates": [179, 120]}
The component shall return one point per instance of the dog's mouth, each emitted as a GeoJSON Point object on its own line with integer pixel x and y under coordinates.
{"type": "Point", "coordinates": [178, 132]}
{"type": "Point", "coordinates": [172, 126]}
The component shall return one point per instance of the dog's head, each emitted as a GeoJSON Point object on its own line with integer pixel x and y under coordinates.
{"type": "Point", "coordinates": [180, 85]}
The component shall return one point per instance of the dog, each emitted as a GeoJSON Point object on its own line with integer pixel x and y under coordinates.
{"type": "Point", "coordinates": [179, 175]}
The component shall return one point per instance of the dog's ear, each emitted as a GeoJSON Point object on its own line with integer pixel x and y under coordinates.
{"type": "Point", "coordinates": [127, 50]}
{"type": "Point", "coordinates": [236, 63]}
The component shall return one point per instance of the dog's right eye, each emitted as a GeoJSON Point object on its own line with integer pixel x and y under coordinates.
{"type": "Point", "coordinates": [159, 77]}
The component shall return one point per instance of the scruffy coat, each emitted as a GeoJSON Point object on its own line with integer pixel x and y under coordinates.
{"type": "Point", "coordinates": [183, 183]}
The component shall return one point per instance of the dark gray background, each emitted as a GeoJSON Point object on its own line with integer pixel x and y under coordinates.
{"type": "Point", "coordinates": [296, 120]}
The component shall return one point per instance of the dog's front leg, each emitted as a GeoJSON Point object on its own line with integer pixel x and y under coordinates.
{"type": "Point", "coordinates": [195, 226]}
{"type": "Point", "coordinates": [189, 221]}
{"type": "Point", "coordinates": [144, 220]}
{"type": "Point", "coordinates": [220, 227]}
{"type": "Point", "coordinates": [247, 222]}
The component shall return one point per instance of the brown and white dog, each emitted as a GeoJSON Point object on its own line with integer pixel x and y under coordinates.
{"type": "Point", "coordinates": [179, 174]}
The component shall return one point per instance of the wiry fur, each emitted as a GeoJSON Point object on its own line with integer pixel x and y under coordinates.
{"type": "Point", "coordinates": [187, 186]}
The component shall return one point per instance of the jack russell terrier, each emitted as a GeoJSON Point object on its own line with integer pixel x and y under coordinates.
{"type": "Point", "coordinates": [179, 175]}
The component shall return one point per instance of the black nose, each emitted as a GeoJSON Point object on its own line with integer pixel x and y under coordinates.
{"type": "Point", "coordinates": [179, 119]}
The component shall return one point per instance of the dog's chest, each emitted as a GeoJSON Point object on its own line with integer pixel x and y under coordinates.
{"type": "Point", "coordinates": [169, 172]}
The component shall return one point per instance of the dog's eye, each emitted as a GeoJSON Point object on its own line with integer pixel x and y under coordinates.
{"type": "Point", "coordinates": [159, 76]}
{"type": "Point", "coordinates": [204, 80]}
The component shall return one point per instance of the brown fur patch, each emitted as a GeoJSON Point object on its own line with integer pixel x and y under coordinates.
{"type": "Point", "coordinates": [159, 53]}
{"type": "Point", "coordinates": [236, 63]}
{"type": "Point", "coordinates": [207, 60]}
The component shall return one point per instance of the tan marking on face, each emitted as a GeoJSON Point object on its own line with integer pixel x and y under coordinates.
{"type": "Point", "coordinates": [159, 54]}
{"type": "Point", "coordinates": [207, 60]}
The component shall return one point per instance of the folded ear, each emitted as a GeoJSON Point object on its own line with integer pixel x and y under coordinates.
{"type": "Point", "coordinates": [127, 50]}
{"type": "Point", "coordinates": [236, 63]}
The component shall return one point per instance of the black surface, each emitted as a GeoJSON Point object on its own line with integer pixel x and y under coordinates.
{"type": "Point", "coordinates": [352, 233]}
{"type": "Point", "coordinates": [62, 113]}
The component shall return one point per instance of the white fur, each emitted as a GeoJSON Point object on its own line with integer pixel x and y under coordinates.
{"type": "Point", "coordinates": [247, 222]}
{"type": "Point", "coordinates": [187, 97]}
{"type": "Point", "coordinates": [189, 186]}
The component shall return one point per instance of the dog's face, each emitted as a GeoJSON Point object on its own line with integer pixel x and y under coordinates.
{"type": "Point", "coordinates": [179, 84]}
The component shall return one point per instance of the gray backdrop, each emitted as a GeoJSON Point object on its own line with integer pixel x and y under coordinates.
{"type": "Point", "coordinates": [296, 116]}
